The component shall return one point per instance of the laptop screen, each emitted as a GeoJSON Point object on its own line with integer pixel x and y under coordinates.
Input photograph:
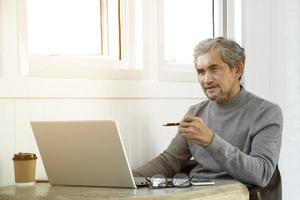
{"type": "Point", "coordinates": [87, 153]}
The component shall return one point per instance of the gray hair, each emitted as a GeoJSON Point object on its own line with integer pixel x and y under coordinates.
{"type": "Point", "coordinates": [231, 52]}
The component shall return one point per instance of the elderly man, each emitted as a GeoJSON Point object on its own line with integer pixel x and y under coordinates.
{"type": "Point", "coordinates": [233, 134]}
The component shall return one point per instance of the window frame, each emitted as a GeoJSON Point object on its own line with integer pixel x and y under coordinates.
{"type": "Point", "coordinates": [224, 26]}
{"type": "Point", "coordinates": [84, 67]}
{"type": "Point", "coordinates": [150, 49]}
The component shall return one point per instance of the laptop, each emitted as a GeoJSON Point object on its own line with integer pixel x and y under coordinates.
{"type": "Point", "coordinates": [84, 153]}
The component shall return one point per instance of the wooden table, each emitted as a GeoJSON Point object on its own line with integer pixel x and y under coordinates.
{"type": "Point", "coordinates": [222, 190]}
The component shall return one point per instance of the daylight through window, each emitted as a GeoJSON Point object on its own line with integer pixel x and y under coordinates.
{"type": "Point", "coordinates": [74, 28]}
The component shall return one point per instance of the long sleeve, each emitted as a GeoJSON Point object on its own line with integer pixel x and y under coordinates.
{"type": "Point", "coordinates": [169, 162]}
{"type": "Point", "coordinates": [258, 166]}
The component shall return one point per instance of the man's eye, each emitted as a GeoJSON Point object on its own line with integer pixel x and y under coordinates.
{"type": "Point", "coordinates": [200, 72]}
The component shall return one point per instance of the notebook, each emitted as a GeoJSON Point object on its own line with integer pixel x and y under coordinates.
{"type": "Point", "coordinates": [84, 153]}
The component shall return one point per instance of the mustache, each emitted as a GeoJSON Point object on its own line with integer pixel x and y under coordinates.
{"type": "Point", "coordinates": [210, 86]}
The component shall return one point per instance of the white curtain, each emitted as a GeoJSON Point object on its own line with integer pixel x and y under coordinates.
{"type": "Point", "coordinates": [271, 36]}
{"type": "Point", "coordinates": [286, 61]}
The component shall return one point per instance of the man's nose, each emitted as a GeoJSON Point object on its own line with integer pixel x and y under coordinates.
{"type": "Point", "coordinates": [208, 77]}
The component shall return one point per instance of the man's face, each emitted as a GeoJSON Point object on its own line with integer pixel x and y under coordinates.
{"type": "Point", "coordinates": [218, 81]}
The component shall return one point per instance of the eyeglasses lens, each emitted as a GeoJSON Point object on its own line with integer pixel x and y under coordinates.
{"type": "Point", "coordinates": [181, 180]}
{"type": "Point", "coordinates": [158, 181]}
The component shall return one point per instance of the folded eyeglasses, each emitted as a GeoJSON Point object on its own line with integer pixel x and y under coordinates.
{"type": "Point", "coordinates": [179, 180]}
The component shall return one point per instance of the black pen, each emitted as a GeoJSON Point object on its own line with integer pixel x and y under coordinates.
{"type": "Point", "coordinates": [172, 124]}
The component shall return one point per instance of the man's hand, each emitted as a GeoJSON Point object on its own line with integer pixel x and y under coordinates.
{"type": "Point", "coordinates": [195, 129]}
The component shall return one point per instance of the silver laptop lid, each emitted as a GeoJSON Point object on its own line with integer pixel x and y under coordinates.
{"type": "Point", "coordinates": [86, 153]}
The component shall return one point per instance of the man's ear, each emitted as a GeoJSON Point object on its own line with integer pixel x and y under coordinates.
{"type": "Point", "coordinates": [239, 68]}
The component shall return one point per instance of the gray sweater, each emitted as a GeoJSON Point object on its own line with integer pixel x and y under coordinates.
{"type": "Point", "coordinates": [245, 147]}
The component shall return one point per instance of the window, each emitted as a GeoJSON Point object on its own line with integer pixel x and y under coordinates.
{"type": "Point", "coordinates": [63, 30]}
{"type": "Point", "coordinates": [184, 24]}
{"type": "Point", "coordinates": [81, 39]}
{"type": "Point", "coordinates": [118, 39]}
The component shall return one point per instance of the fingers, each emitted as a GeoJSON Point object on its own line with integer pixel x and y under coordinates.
{"type": "Point", "coordinates": [195, 129]}
{"type": "Point", "coordinates": [188, 131]}
{"type": "Point", "coordinates": [189, 120]}
{"type": "Point", "coordinates": [190, 126]}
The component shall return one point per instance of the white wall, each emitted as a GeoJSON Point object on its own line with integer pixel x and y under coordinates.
{"type": "Point", "coordinates": [140, 107]}
{"type": "Point", "coordinates": [271, 32]}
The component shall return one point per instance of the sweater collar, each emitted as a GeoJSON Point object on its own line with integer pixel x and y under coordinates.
{"type": "Point", "coordinates": [235, 102]}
